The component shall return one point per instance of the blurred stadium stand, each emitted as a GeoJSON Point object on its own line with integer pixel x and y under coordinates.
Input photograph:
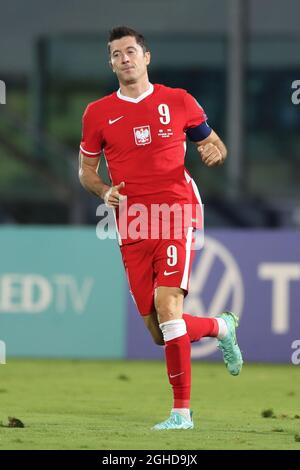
{"type": "Point", "coordinates": [54, 63]}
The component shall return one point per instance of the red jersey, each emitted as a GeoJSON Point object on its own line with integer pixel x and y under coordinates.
{"type": "Point", "coordinates": [144, 142]}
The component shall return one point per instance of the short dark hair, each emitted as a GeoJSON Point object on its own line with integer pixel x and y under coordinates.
{"type": "Point", "coordinates": [122, 31]}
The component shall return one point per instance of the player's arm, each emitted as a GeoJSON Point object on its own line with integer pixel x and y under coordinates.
{"type": "Point", "coordinates": [212, 150]}
{"type": "Point", "coordinates": [92, 181]}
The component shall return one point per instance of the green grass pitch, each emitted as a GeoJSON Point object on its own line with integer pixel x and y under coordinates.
{"type": "Point", "coordinates": [113, 404]}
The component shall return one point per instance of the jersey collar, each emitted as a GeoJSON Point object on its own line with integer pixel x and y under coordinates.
{"type": "Point", "coordinates": [136, 100]}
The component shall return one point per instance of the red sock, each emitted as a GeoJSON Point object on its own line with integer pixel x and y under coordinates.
{"type": "Point", "coordinates": [198, 327]}
{"type": "Point", "coordinates": [178, 359]}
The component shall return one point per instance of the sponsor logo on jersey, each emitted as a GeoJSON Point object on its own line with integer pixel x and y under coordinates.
{"type": "Point", "coordinates": [112, 121]}
{"type": "Point", "coordinates": [142, 135]}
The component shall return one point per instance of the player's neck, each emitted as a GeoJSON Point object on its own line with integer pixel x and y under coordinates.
{"type": "Point", "coordinates": [134, 90]}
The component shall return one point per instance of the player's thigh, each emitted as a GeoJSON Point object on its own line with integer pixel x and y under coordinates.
{"type": "Point", "coordinates": [137, 260]}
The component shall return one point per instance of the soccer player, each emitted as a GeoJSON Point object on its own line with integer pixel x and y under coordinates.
{"type": "Point", "coordinates": [141, 129]}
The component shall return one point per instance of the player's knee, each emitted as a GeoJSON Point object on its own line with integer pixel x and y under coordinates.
{"type": "Point", "coordinates": [165, 314]}
{"type": "Point", "coordinates": [167, 308]}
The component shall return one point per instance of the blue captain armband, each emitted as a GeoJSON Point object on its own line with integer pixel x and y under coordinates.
{"type": "Point", "coordinates": [195, 134]}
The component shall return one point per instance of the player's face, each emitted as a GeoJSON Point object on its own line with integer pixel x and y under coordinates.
{"type": "Point", "coordinates": [128, 60]}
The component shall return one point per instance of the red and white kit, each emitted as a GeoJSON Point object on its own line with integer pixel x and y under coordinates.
{"type": "Point", "coordinates": [144, 143]}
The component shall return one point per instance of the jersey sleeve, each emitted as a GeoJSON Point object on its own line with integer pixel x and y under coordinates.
{"type": "Point", "coordinates": [195, 114]}
{"type": "Point", "coordinates": [91, 140]}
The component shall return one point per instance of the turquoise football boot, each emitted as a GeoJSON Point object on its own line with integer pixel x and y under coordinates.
{"type": "Point", "coordinates": [231, 352]}
{"type": "Point", "coordinates": [175, 421]}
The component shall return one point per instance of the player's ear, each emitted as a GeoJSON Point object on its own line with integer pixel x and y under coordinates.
{"type": "Point", "coordinates": [148, 57]}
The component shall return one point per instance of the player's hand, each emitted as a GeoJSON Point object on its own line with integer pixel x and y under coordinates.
{"type": "Point", "coordinates": [210, 154]}
{"type": "Point", "coordinates": [112, 197]}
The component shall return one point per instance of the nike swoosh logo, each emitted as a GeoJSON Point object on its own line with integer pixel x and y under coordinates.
{"type": "Point", "coordinates": [111, 121]}
{"type": "Point", "coordinates": [168, 274]}
{"type": "Point", "coordinates": [176, 375]}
